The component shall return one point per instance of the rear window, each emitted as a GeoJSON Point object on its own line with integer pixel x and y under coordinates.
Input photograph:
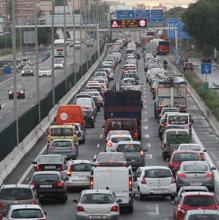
{"type": "Point", "coordinates": [82, 167]}
{"type": "Point", "coordinates": [118, 139]}
{"type": "Point", "coordinates": [185, 157]}
{"type": "Point", "coordinates": [190, 147]}
{"type": "Point", "coordinates": [97, 199]}
{"type": "Point", "coordinates": [199, 201]}
{"type": "Point", "coordinates": [62, 144]}
{"type": "Point", "coordinates": [178, 119]}
{"type": "Point", "coordinates": [129, 148]}
{"type": "Point", "coordinates": [61, 131]}
{"type": "Point", "coordinates": [111, 157]}
{"type": "Point", "coordinates": [204, 217]}
{"type": "Point", "coordinates": [16, 194]}
{"type": "Point", "coordinates": [124, 125]}
{"type": "Point", "coordinates": [45, 177]}
{"type": "Point", "coordinates": [195, 168]}
{"type": "Point", "coordinates": [27, 213]}
{"type": "Point", "coordinates": [157, 173]}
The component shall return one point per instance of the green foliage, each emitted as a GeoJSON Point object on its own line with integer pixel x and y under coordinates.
{"type": "Point", "coordinates": [175, 12]}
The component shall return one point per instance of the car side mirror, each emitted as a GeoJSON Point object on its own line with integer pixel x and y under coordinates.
{"type": "Point", "coordinates": [204, 150]}
{"type": "Point", "coordinates": [95, 157]}
{"type": "Point", "coordinates": [145, 149]}
{"type": "Point", "coordinates": [213, 168]}
{"type": "Point", "coordinates": [135, 178]}
{"type": "Point", "coordinates": [119, 200]}
{"type": "Point", "coordinates": [34, 162]}
{"type": "Point", "coordinates": [75, 201]}
{"type": "Point", "coordinates": [66, 178]}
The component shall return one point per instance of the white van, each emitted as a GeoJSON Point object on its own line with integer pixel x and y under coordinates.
{"type": "Point", "coordinates": [117, 179]}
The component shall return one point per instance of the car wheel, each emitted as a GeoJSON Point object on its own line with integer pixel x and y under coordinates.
{"type": "Point", "coordinates": [130, 209]}
{"type": "Point", "coordinates": [139, 195]}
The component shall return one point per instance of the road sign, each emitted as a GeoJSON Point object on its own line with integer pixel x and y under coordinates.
{"type": "Point", "coordinates": [129, 23]}
{"type": "Point", "coordinates": [142, 14]}
{"type": "Point", "coordinates": [157, 15]}
{"type": "Point", "coordinates": [206, 68]}
{"type": "Point", "coordinates": [7, 70]}
{"type": "Point", "coordinates": [125, 14]}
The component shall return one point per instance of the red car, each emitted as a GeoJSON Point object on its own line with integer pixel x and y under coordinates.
{"type": "Point", "coordinates": [179, 156]}
{"type": "Point", "coordinates": [188, 66]}
{"type": "Point", "coordinates": [194, 200]}
{"type": "Point", "coordinates": [20, 91]}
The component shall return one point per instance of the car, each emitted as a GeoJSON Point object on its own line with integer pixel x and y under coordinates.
{"type": "Point", "coordinates": [0, 103]}
{"type": "Point", "coordinates": [116, 132]}
{"type": "Point", "coordinates": [49, 162]}
{"type": "Point", "coordinates": [188, 66]}
{"type": "Point", "coordinates": [202, 214]}
{"type": "Point", "coordinates": [87, 102]}
{"type": "Point", "coordinates": [115, 139]}
{"type": "Point", "coordinates": [11, 194]}
{"type": "Point", "coordinates": [167, 109]}
{"type": "Point", "coordinates": [65, 147]}
{"type": "Point", "coordinates": [196, 173]}
{"type": "Point", "coordinates": [49, 185]}
{"type": "Point", "coordinates": [89, 116]}
{"type": "Point", "coordinates": [20, 91]}
{"type": "Point", "coordinates": [97, 204]}
{"type": "Point", "coordinates": [25, 212]}
{"type": "Point", "coordinates": [45, 71]}
{"type": "Point", "coordinates": [179, 156]}
{"type": "Point", "coordinates": [110, 159]}
{"type": "Point", "coordinates": [77, 44]}
{"type": "Point", "coordinates": [133, 151]}
{"type": "Point", "coordinates": [78, 172]}
{"type": "Point", "coordinates": [184, 189]}
{"type": "Point", "coordinates": [193, 201]}
{"type": "Point", "coordinates": [193, 146]}
{"type": "Point", "coordinates": [27, 71]}
{"type": "Point", "coordinates": [58, 63]}
{"type": "Point", "coordinates": [154, 180]}
{"type": "Point", "coordinates": [80, 132]}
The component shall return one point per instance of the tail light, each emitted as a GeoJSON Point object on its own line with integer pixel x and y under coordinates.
{"type": "Point", "coordinates": [115, 208]}
{"type": "Point", "coordinates": [142, 153]}
{"type": "Point", "coordinates": [202, 156]}
{"type": "Point", "coordinates": [69, 170]}
{"type": "Point", "coordinates": [130, 183]}
{"type": "Point", "coordinates": [143, 181]}
{"type": "Point", "coordinates": [62, 166]}
{"type": "Point", "coordinates": [59, 184]}
{"type": "Point", "coordinates": [163, 124]}
{"type": "Point", "coordinates": [109, 144]}
{"type": "Point", "coordinates": [37, 168]}
{"type": "Point", "coordinates": [80, 209]}
{"type": "Point", "coordinates": [91, 183]}
{"type": "Point", "coordinates": [33, 183]}
{"type": "Point", "coordinates": [171, 165]}
{"type": "Point", "coordinates": [135, 134]}
{"type": "Point", "coordinates": [182, 175]}
{"type": "Point", "coordinates": [209, 174]}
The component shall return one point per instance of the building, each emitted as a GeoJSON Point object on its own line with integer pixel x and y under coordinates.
{"type": "Point", "coordinates": [4, 17]}
{"type": "Point", "coordinates": [24, 9]}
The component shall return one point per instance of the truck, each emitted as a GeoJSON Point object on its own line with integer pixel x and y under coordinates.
{"type": "Point", "coordinates": [117, 179]}
{"type": "Point", "coordinates": [125, 104]}
{"type": "Point", "coordinates": [170, 93]}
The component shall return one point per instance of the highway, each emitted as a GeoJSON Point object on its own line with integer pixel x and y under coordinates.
{"type": "Point", "coordinates": [154, 208]}
{"type": "Point", "coordinates": [29, 83]}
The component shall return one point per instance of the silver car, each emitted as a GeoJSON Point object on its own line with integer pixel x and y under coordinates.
{"type": "Point", "coordinates": [195, 173]}
{"type": "Point", "coordinates": [25, 212]}
{"type": "Point", "coordinates": [202, 214]}
{"type": "Point", "coordinates": [97, 204]}
{"type": "Point", "coordinates": [78, 172]}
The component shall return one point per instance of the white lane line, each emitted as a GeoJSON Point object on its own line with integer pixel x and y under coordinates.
{"type": "Point", "coordinates": [152, 209]}
{"type": "Point", "coordinates": [98, 146]}
{"type": "Point", "coordinates": [3, 105]}
{"type": "Point", "coordinates": [147, 136]}
{"type": "Point", "coordinates": [146, 119]}
{"type": "Point", "coordinates": [145, 127]}
{"type": "Point", "coordinates": [148, 156]}
{"type": "Point", "coordinates": [145, 112]}
{"type": "Point", "coordinates": [101, 136]}
{"type": "Point", "coordinates": [24, 176]}
{"type": "Point", "coordinates": [149, 145]}
{"type": "Point", "coordinates": [157, 209]}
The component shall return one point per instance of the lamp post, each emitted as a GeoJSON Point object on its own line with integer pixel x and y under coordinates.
{"type": "Point", "coordinates": [65, 51]}
{"type": "Point", "coordinates": [52, 55]}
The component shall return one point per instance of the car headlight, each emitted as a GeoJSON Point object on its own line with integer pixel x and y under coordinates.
{"type": "Point", "coordinates": [22, 71]}
{"type": "Point", "coordinates": [21, 91]}
{"type": "Point", "coordinates": [10, 92]}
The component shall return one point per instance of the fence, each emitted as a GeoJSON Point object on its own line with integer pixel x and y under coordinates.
{"type": "Point", "coordinates": [29, 120]}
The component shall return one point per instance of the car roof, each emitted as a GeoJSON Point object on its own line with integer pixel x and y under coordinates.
{"type": "Point", "coordinates": [198, 193]}
{"type": "Point", "coordinates": [190, 144]}
{"type": "Point", "coordinates": [193, 187]}
{"type": "Point", "coordinates": [177, 113]}
{"type": "Point", "coordinates": [61, 126]}
{"type": "Point", "coordinates": [129, 142]}
{"type": "Point", "coordinates": [110, 153]}
{"type": "Point", "coordinates": [61, 139]}
{"type": "Point", "coordinates": [184, 151]}
{"type": "Point", "coordinates": [202, 211]}
{"type": "Point", "coordinates": [100, 191]}
{"type": "Point", "coordinates": [199, 162]}
{"type": "Point", "coordinates": [8, 186]}
{"type": "Point", "coordinates": [26, 206]}
{"type": "Point", "coordinates": [118, 131]}
{"type": "Point", "coordinates": [47, 172]}
{"type": "Point", "coordinates": [154, 167]}
{"type": "Point", "coordinates": [80, 161]}
{"type": "Point", "coordinates": [123, 135]}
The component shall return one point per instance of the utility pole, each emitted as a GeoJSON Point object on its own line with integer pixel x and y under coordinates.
{"type": "Point", "coordinates": [14, 70]}
{"type": "Point", "coordinates": [65, 52]}
{"type": "Point", "coordinates": [37, 62]}
{"type": "Point", "coordinates": [80, 41]}
{"type": "Point", "coordinates": [74, 35]}
{"type": "Point", "coordinates": [53, 48]}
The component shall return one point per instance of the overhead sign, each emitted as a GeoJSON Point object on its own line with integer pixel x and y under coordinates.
{"type": "Point", "coordinates": [157, 15]}
{"type": "Point", "coordinates": [129, 23]}
{"type": "Point", "coordinates": [125, 14]}
{"type": "Point", "coordinates": [206, 68]}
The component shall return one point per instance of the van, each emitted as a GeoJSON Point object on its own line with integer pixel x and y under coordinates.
{"type": "Point", "coordinates": [69, 114]}
{"type": "Point", "coordinates": [109, 177]}
{"type": "Point", "coordinates": [62, 132]}
{"type": "Point", "coordinates": [128, 124]}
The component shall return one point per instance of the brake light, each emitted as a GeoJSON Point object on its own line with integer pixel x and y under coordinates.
{"type": "Point", "coordinates": [143, 181]}
{"type": "Point", "coordinates": [130, 183]}
{"type": "Point", "coordinates": [80, 209]}
{"type": "Point", "coordinates": [33, 183]}
{"type": "Point", "coordinates": [59, 184]}
{"type": "Point", "coordinates": [91, 183]}
{"type": "Point", "coordinates": [181, 175]}
{"type": "Point", "coordinates": [109, 144]}
{"type": "Point", "coordinates": [163, 124]}
{"type": "Point", "coordinates": [68, 173]}
{"type": "Point", "coordinates": [202, 156]}
{"type": "Point", "coordinates": [209, 174]}
{"type": "Point", "coordinates": [136, 134]}
{"type": "Point", "coordinates": [115, 209]}
{"type": "Point", "coordinates": [142, 153]}
{"type": "Point", "coordinates": [62, 166]}
{"type": "Point", "coordinates": [181, 210]}
{"type": "Point", "coordinates": [37, 168]}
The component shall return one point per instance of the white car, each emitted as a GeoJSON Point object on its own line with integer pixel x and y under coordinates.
{"type": "Point", "coordinates": [77, 44]}
{"type": "Point", "coordinates": [59, 63]}
{"type": "Point", "coordinates": [114, 139]}
{"type": "Point", "coordinates": [154, 180]}
{"type": "Point", "coordinates": [45, 71]}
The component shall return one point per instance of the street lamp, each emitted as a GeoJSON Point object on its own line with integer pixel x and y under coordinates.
{"type": "Point", "coordinates": [53, 48]}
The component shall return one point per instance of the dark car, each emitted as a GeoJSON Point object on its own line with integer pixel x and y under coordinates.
{"type": "Point", "coordinates": [89, 117]}
{"type": "Point", "coordinates": [20, 91]}
{"type": "Point", "coordinates": [27, 71]}
{"type": "Point", "coordinates": [50, 162]}
{"type": "Point", "coordinates": [133, 151]}
{"type": "Point", "coordinates": [49, 185]}
{"type": "Point", "coordinates": [16, 194]}
{"type": "Point", "coordinates": [187, 66]}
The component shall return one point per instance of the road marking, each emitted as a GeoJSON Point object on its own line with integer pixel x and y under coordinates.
{"type": "Point", "coordinates": [152, 209]}
{"type": "Point", "coordinates": [148, 156]}
{"type": "Point", "coordinates": [145, 127]}
{"type": "Point", "coordinates": [149, 145]}
{"type": "Point", "coordinates": [101, 136]}
{"type": "Point", "coordinates": [24, 176]}
{"type": "Point", "coordinates": [145, 112]}
{"type": "Point", "coordinates": [98, 146]}
{"type": "Point", "coordinates": [147, 136]}
{"type": "Point", "coordinates": [146, 119]}
{"type": "Point", "coordinates": [3, 105]}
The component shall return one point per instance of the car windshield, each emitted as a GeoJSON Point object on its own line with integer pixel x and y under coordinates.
{"type": "Point", "coordinates": [195, 168]}
{"type": "Point", "coordinates": [97, 199]}
{"type": "Point", "coordinates": [199, 200]}
{"type": "Point", "coordinates": [129, 148]}
{"type": "Point", "coordinates": [61, 131]}
{"type": "Point", "coordinates": [46, 177]}
{"type": "Point", "coordinates": [16, 194]}
{"type": "Point", "coordinates": [102, 158]}
{"type": "Point", "coordinates": [26, 213]}
{"type": "Point", "coordinates": [157, 173]}
{"type": "Point", "coordinates": [27, 68]}
{"type": "Point", "coordinates": [81, 167]}
{"type": "Point", "coordinates": [204, 216]}
{"type": "Point", "coordinates": [121, 138]}
{"type": "Point", "coordinates": [44, 68]}
{"type": "Point", "coordinates": [62, 144]}
{"type": "Point", "coordinates": [179, 157]}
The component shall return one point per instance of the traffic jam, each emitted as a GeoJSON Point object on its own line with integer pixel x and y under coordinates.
{"type": "Point", "coordinates": [119, 175]}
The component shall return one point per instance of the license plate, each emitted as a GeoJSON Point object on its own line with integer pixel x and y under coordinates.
{"type": "Point", "coordinates": [132, 160]}
{"type": "Point", "coordinates": [45, 186]}
{"type": "Point", "coordinates": [97, 216]}
{"type": "Point", "coordinates": [50, 167]}
{"type": "Point", "coordinates": [196, 183]}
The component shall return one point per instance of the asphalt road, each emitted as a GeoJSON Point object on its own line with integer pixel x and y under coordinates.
{"type": "Point", "coordinates": [154, 208]}
{"type": "Point", "coordinates": [29, 83]}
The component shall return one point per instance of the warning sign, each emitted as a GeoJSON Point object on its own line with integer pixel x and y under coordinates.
{"type": "Point", "coordinates": [129, 23]}
{"type": "Point", "coordinates": [115, 24]}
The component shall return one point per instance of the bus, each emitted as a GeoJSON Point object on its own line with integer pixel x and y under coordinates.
{"type": "Point", "coordinates": [59, 47]}
{"type": "Point", "coordinates": [163, 47]}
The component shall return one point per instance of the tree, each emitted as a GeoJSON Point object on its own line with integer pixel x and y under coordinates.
{"type": "Point", "coordinates": [175, 12]}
